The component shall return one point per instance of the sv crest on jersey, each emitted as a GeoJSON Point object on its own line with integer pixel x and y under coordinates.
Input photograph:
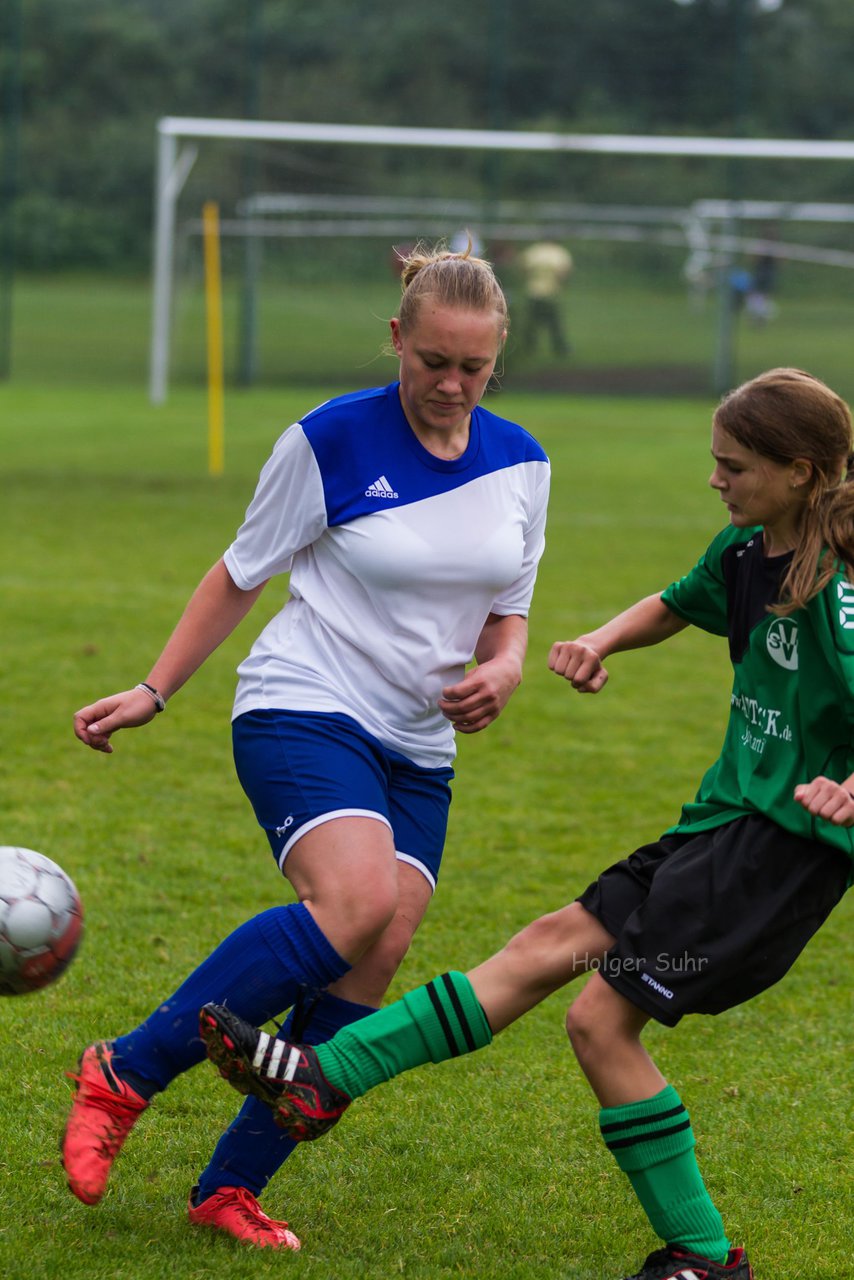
{"type": "Point", "coordinates": [782, 641]}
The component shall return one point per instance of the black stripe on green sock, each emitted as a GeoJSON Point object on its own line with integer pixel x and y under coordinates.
{"type": "Point", "coordinates": [436, 1001]}
{"type": "Point", "coordinates": [652, 1119]}
{"type": "Point", "coordinates": [465, 1025]}
{"type": "Point", "coordinates": [619, 1143]}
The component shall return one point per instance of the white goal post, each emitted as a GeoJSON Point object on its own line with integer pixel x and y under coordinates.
{"type": "Point", "coordinates": [177, 151]}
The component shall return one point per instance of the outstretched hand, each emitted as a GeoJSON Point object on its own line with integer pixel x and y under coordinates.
{"type": "Point", "coordinates": [824, 798]}
{"type": "Point", "coordinates": [578, 663]}
{"type": "Point", "coordinates": [95, 724]}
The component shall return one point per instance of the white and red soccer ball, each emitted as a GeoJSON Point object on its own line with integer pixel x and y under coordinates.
{"type": "Point", "coordinates": [41, 921]}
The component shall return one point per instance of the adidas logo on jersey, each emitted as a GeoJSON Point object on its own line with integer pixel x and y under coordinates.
{"type": "Point", "coordinates": [381, 489]}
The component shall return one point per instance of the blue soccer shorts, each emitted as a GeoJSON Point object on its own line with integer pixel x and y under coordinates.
{"type": "Point", "coordinates": [300, 769]}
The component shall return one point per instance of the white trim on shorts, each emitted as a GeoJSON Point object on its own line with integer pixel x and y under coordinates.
{"type": "Point", "coordinates": [327, 817]}
{"type": "Point", "coordinates": [412, 861]}
{"type": "Point", "coordinates": [353, 813]}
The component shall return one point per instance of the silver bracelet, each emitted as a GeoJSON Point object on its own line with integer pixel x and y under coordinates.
{"type": "Point", "coordinates": [157, 698]}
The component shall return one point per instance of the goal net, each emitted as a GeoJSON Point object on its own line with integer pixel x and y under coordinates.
{"type": "Point", "coordinates": [695, 262]}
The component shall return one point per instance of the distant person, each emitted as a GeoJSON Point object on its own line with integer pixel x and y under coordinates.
{"type": "Point", "coordinates": [759, 303]}
{"type": "Point", "coordinates": [714, 911]}
{"type": "Point", "coordinates": [411, 520]}
{"type": "Point", "coordinates": [546, 267]}
{"type": "Point", "coordinates": [739, 280]}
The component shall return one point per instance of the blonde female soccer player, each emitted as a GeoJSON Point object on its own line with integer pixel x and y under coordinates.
{"type": "Point", "coordinates": [718, 908]}
{"type": "Point", "coordinates": [411, 520]}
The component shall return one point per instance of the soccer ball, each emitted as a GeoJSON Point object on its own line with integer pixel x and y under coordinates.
{"type": "Point", "coordinates": [41, 921]}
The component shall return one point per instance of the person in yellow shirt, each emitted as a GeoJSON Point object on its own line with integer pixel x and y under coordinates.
{"type": "Point", "coordinates": [546, 267]}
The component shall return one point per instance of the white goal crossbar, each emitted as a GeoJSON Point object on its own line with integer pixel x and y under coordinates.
{"type": "Point", "coordinates": [174, 163]}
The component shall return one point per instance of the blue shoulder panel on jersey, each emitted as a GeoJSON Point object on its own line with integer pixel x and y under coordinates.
{"type": "Point", "coordinates": [370, 459]}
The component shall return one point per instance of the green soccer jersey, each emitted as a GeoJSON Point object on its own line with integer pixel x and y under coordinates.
{"type": "Point", "coordinates": [792, 703]}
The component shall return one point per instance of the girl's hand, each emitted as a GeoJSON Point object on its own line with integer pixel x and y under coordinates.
{"type": "Point", "coordinates": [481, 695]}
{"type": "Point", "coordinates": [94, 724]}
{"type": "Point", "coordinates": [578, 663]}
{"type": "Point", "coordinates": [826, 799]}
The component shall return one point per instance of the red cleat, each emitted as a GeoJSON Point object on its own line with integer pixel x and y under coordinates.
{"type": "Point", "coordinates": [236, 1211]}
{"type": "Point", "coordinates": [103, 1112]}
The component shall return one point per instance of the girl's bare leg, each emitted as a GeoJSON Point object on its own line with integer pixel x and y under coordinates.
{"type": "Point", "coordinates": [540, 959]}
{"type": "Point", "coordinates": [604, 1029]}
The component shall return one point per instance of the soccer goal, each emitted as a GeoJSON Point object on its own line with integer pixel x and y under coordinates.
{"type": "Point", "coordinates": [663, 232]}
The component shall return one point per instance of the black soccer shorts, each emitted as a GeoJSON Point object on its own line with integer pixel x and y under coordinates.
{"type": "Point", "coordinates": [706, 921]}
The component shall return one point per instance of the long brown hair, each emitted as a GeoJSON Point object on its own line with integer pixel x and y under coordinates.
{"type": "Point", "coordinates": [783, 415]}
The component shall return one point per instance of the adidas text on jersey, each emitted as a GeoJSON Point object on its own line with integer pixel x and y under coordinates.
{"type": "Point", "coordinates": [381, 489]}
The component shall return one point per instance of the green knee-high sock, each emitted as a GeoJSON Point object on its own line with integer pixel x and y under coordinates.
{"type": "Point", "coordinates": [440, 1020]}
{"type": "Point", "coordinates": [653, 1144]}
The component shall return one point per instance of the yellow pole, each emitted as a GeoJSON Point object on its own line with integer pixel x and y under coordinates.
{"type": "Point", "coordinates": [213, 315]}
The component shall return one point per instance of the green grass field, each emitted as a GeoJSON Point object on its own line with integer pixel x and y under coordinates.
{"type": "Point", "coordinates": [629, 335]}
{"type": "Point", "coordinates": [489, 1167]}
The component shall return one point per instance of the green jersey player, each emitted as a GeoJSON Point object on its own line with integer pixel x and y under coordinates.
{"type": "Point", "coordinates": [718, 908]}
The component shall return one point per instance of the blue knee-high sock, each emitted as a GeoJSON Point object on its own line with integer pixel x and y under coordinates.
{"type": "Point", "coordinates": [253, 1148]}
{"type": "Point", "coordinates": [257, 971]}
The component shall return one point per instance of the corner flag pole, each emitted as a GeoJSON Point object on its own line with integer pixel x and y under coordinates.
{"type": "Point", "coordinates": [213, 315]}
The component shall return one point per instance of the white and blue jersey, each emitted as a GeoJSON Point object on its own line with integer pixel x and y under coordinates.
{"type": "Point", "coordinates": [396, 557]}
